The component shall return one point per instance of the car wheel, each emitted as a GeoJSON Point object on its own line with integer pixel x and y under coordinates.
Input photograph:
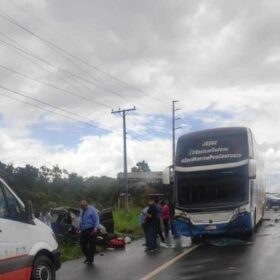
{"type": "Point", "coordinates": [43, 269]}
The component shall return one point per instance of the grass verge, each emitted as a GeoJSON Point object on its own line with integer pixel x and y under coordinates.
{"type": "Point", "coordinates": [70, 251]}
{"type": "Point", "coordinates": [127, 222]}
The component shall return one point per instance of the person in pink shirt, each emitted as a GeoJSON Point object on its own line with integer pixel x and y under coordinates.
{"type": "Point", "coordinates": [165, 216]}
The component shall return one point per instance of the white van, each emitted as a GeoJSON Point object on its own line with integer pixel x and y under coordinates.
{"type": "Point", "coordinates": [28, 248]}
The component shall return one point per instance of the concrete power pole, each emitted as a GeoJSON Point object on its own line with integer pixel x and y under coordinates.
{"type": "Point", "coordinates": [174, 119]}
{"type": "Point", "coordinates": [123, 113]}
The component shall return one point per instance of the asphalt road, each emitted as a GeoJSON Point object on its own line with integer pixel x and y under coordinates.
{"type": "Point", "coordinates": [260, 260]}
{"type": "Point", "coordinates": [131, 263]}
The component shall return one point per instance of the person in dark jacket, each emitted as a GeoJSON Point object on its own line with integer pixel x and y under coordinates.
{"type": "Point", "coordinates": [143, 217]}
{"type": "Point", "coordinates": [89, 226]}
{"type": "Point", "coordinates": [159, 230]}
{"type": "Point", "coordinates": [172, 223]}
{"type": "Point", "coordinates": [151, 226]}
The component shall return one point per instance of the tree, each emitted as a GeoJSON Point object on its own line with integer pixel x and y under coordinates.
{"type": "Point", "coordinates": [141, 166]}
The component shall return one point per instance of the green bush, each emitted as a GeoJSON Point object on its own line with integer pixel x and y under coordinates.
{"type": "Point", "coordinates": [128, 222]}
{"type": "Point", "coordinates": [70, 251]}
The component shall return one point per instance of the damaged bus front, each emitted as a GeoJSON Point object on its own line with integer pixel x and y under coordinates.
{"type": "Point", "coordinates": [219, 183]}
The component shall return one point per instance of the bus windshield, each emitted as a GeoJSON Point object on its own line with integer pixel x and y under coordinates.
{"type": "Point", "coordinates": [218, 188]}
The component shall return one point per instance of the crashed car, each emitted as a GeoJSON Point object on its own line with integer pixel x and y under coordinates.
{"type": "Point", "coordinates": [273, 201]}
{"type": "Point", "coordinates": [65, 222]}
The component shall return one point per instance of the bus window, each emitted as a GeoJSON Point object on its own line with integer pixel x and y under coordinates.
{"type": "Point", "coordinates": [212, 187]}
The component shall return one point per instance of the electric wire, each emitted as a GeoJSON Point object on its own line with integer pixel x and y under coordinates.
{"type": "Point", "coordinates": [74, 116]}
{"type": "Point", "coordinates": [54, 46]}
{"type": "Point", "coordinates": [53, 86]}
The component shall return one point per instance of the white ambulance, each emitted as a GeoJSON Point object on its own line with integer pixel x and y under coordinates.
{"type": "Point", "coordinates": [28, 248]}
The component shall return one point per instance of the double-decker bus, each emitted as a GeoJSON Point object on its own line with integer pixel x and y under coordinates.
{"type": "Point", "coordinates": [219, 183]}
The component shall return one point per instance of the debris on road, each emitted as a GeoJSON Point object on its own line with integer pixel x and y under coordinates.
{"type": "Point", "coordinates": [116, 243]}
{"type": "Point", "coordinates": [127, 240]}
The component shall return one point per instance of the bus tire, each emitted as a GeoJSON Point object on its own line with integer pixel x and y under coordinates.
{"type": "Point", "coordinates": [43, 269]}
{"type": "Point", "coordinates": [249, 234]}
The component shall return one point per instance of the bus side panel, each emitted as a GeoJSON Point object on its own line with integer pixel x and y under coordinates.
{"type": "Point", "coordinates": [259, 185]}
{"type": "Point", "coordinates": [21, 274]}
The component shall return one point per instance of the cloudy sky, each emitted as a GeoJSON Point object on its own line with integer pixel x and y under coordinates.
{"type": "Point", "coordinates": [65, 64]}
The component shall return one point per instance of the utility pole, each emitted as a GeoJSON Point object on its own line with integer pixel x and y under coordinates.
{"type": "Point", "coordinates": [174, 128]}
{"type": "Point", "coordinates": [123, 113]}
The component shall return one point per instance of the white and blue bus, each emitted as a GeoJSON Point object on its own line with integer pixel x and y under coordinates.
{"type": "Point", "coordinates": [219, 183]}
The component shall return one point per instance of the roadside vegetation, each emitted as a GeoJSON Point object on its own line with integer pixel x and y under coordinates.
{"type": "Point", "coordinates": [70, 251]}
{"type": "Point", "coordinates": [48, 188]}
{"type": "Point", "coordinates": [127, 222]}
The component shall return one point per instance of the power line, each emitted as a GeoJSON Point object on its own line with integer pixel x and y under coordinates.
{"type": "Point", "coordinates": [88, 121]}
{"type": "Point", "coordinates": [57, 68]}
{"type": "Point", "coordinates": [48, 84]}
{"type": "Point", "coordinates": [41, 21]}
{"type": "Point", "coordinates": [54, 46]}
{"type": "Point", "coordinates": [42, 109]}
{"type": "Point", "coordinates": [27, 56]}
{"type": "Point", "coordinates": [54, 87]}
{"type": "Point", "coordinates": [19, 49]}
{"type": "Point", "coordinates": [80, 118]}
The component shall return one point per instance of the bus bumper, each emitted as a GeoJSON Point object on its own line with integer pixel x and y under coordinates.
{"type": "Point", "coordinates": [238, 225]}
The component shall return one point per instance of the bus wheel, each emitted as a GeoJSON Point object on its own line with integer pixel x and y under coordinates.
{"type": "Point", "coordinates": [43, 269]}
{"type": "Point", "coordinates": [250, 233]}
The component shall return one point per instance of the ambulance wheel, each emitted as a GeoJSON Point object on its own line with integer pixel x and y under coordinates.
{"type": "Point", "coordinates": [43, 269]}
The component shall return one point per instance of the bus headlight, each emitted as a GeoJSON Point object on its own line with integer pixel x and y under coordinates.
{"type": "Point", "coordinates": [237, 212]}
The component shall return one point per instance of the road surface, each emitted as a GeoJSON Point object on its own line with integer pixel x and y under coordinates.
{"type": "Point", "coordinates": [258, 261]}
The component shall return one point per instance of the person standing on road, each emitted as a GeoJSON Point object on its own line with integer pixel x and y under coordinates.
{"type": "Point", "coordinates": [143, 224]}
{"type": "Point", "coordinates": [89, 226]}
{"type": "Point", "coordinates": [159, 230]}
{"type": "Point", "coordinates": [172, 223]}
{"type": "Point", "coordinates": [151, 226]}
{"type": "Point", "coordinates": [165, 216]}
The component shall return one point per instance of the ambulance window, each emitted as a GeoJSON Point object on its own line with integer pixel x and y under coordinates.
{"type": "Point", "coordinates": [3, 208]}
{"type": "Point", "coordinates": [14, 209]}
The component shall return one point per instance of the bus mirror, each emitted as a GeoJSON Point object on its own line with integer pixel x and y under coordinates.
{"type": "Point", "coordinates": [252, 168]}
{"type": "Point", "coordinates": [166, 176]}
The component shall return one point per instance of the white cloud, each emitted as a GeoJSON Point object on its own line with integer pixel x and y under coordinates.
{"type": "Point", "coordinates": [93, 156]}
{"type": "Point", "coordinates": [211, 55]}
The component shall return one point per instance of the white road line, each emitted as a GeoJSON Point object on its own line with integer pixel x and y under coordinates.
{"type": "Point", "coordinates": [152, 274]}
